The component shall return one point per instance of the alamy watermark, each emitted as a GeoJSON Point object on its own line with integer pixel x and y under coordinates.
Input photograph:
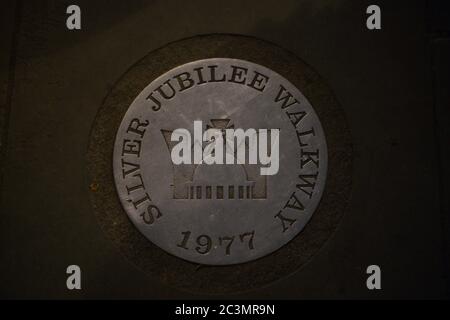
{"type": "Point", "coordinates": [227, 146]}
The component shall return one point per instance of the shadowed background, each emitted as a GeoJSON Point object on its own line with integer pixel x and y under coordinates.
{"type": "Point", "coordinates": [391, 83]}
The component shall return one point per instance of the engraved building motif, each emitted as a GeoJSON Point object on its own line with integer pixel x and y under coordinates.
{"type": "Point", "coordinates": [216, 181]}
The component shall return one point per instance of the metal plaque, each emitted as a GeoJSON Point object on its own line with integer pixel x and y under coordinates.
{"type": "Point", "coordinates": [213, 205]}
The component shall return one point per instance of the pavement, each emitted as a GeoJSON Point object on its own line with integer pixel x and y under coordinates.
{"type": "Point", "coordinates": [391, 84]}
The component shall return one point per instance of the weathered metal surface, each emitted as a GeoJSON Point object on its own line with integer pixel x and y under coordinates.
{"type": "Point", "coordinates": [219, 214]}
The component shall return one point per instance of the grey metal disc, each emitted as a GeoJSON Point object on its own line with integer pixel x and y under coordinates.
{"type": "Point", "coordinates": [219, 214]}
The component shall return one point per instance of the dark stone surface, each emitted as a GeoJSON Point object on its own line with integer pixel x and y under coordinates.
{"type": "Point", "coordinates": [219, 279]}
{"type": "Point", "coordinates": [382, 80]}
{"type": "Point", "coordinates": [439, 35]}
{"type": "Point", "coordinates": [441, 67]}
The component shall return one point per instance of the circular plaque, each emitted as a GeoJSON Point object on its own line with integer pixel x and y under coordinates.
{"type": "Point", "coordinates": [237, 208]}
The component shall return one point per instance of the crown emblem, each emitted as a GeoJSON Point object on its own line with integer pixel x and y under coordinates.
{"type": "Point", "coordinates": [207, 182]}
